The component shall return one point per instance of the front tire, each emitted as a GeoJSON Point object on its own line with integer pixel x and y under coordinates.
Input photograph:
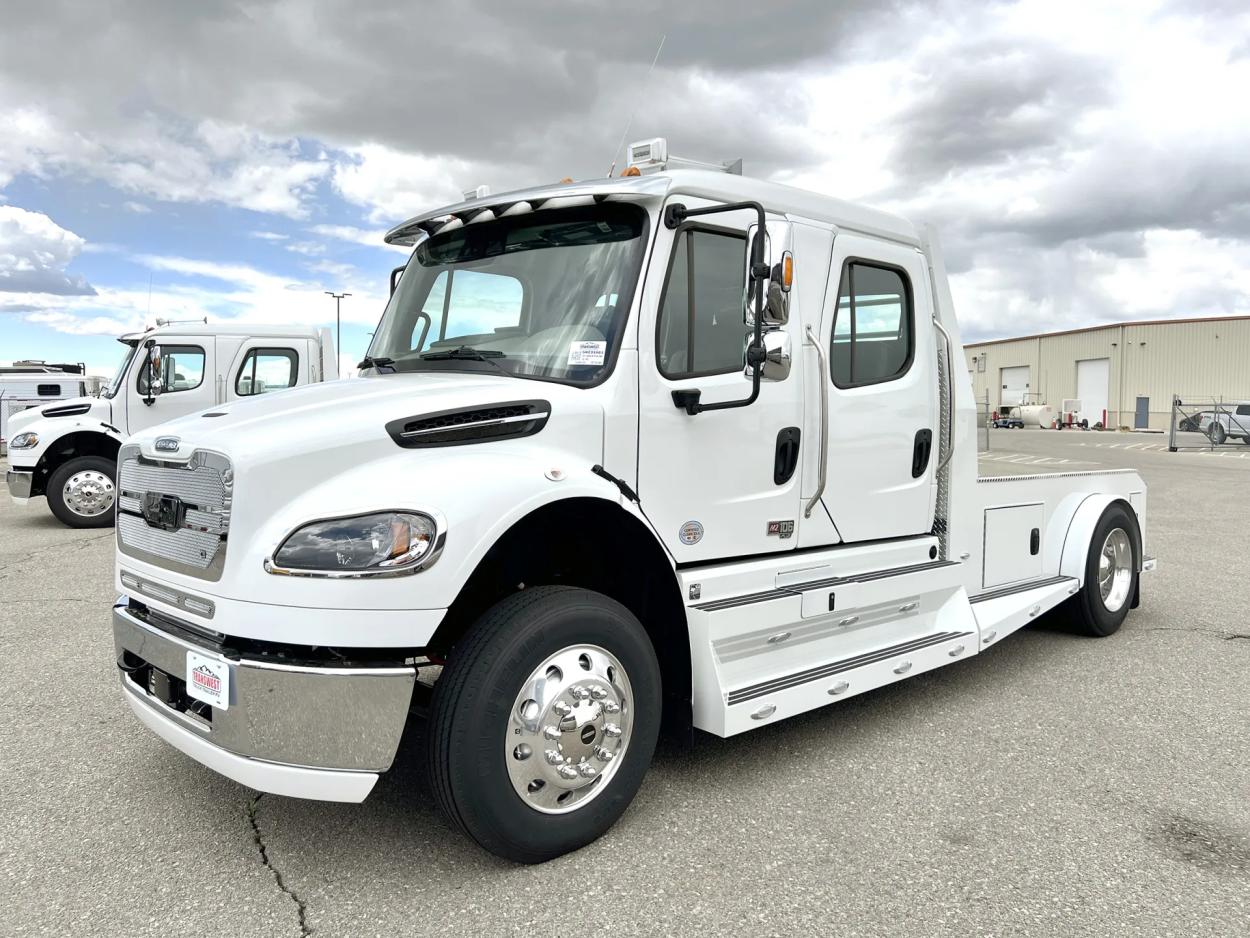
{"type": "Point", "coordinates": [81, 492]}
{"type": "Point", "coordinates": [544, 722]}
{"type": "Point", "coordinates": [1217, 434]}
{"type": "Point", "coordinates": [1110, 574]}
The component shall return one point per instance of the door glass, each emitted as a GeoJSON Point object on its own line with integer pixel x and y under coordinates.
{"type": "Point", "coordinates": [267, 369]}
{"type": "Point", "coordinates": [182, 369]}
{"type": "Point", "coordinates": [872, 326]}
{"type": "Point", "coordinates": [700, 326]}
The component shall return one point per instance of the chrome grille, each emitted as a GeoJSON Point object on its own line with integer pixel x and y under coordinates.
{"type": "Point", "coordinates": [203, 485]}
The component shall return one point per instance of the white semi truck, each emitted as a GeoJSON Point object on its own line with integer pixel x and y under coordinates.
{"type": "Point", "coordinates": [68, 451]}
{"type": "Point", "coordinates": [682, 445]}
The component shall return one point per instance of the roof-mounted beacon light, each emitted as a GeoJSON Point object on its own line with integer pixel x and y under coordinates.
{"type": "Point", "coordinates": [480, 192]}
{"type": "Point", "coordinates": [651, 156]}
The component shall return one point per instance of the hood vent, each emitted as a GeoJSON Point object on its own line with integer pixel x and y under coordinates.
{"type": "Point", "coordinates": [507, 421]}
{"type": "Point", "coordinates": [69, 410]}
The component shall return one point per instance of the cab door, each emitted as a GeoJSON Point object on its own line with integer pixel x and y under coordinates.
{"type": "Point", "coordinates": [721, 483]}
{"type": "Point", "coordinates": [186, 382]}
{"type": "Point", "coordinates": [878, 336]}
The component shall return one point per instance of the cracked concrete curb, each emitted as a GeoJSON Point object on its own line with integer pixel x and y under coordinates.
{"type": "Point", "coordinates": [300, 905]}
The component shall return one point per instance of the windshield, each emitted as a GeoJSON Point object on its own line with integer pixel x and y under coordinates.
{"type": "Point", "coordinates": [119, 378]}
{"type": "Point", "coordinates": [543, 295]}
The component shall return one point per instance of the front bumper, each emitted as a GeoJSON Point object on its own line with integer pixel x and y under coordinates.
{"type": "Point", "coordinates": [19, 484]}
{"type": "Point", "coordinates": [309, 730]}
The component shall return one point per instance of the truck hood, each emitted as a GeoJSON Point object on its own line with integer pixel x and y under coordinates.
{"type": "Point", "coordinates": [89, 407]}
{"type": "Point", "coordinates": [342, 423]}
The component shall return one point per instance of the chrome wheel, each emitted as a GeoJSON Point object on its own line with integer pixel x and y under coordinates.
{"type": "Point", "coordinates": [569, 728]}
{"type": "Point", "coordinates": [88, 493]}
{"type": "Point", "coordinates": [1115, 569]}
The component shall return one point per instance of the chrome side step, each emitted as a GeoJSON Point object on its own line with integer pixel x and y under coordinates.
{"type": "Point", "coordinates": [836, 667]}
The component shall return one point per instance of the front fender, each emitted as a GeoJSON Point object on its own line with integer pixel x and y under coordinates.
{"type": "Point", "coordinates": [53, 429]}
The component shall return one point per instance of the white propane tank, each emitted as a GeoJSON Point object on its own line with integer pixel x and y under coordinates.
{"type": "Point", "coordinates": [1037, 415]}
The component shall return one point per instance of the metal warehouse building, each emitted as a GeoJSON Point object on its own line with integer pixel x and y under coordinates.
{"type": "Point", "coordinates": [1130, 370]}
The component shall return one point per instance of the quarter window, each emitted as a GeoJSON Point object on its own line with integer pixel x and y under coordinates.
{"type": "Point", "coordinates": [872, 326]}
{"type": "Point", "coordinates": [182, 369]}
{"type": "Point", "coordinates": [267, 369]}
{"type": "Point", "coordinates": [700, 329]}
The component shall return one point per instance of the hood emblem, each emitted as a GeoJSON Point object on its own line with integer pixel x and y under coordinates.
{"type": "Point", "coordinates": [166, 444]}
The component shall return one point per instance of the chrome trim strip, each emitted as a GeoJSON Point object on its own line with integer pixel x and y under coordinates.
{"type": "Point", "coordinates": [950, 415]}
{"type": "Point", "coordinates": [846, 664]}
{"type": "Point", "coordinates": [825, 378]}
{"type": "Point", "coordinates": [474, 424]}
{"type": "Point", "coordinates": [422, 563]}
{"type": "Point", "coordinates": [1014, 588]}
{"type": "Point", "coordinates": [166, 594]}
{"type": "Point", "coordinates": [796, 589]}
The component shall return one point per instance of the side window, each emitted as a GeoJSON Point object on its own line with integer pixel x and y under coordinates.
{"type": "Point", "coordinates": [267, 369]}
{"type": "Point", "coordinates": [872, 326]}
{"type": "Point", "coordinates": [1243, 410]}
{"type": "Point", "coordinates": [182, 369]}
{"type": "Point", "coordinates": [699, 330]}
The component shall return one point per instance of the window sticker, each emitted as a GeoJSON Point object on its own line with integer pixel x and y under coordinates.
{"type": "Point", "coordinates": [587, 353]}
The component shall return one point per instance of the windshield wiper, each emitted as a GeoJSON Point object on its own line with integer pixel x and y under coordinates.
{"type": "Point", "coordinates": [465, 352]}
{"type": "Point", "coordinates": [370, 362]}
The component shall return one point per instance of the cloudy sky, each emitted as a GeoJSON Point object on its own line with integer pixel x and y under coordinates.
{"type": "Point", "coordinates": [1087, 161]}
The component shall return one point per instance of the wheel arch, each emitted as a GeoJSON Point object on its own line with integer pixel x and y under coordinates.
{"type": "Point", "coordinates": [1080, 533]}
{"type": "Point", "coordinates": [85, 442]}
{"type": "Point", "coordinates": [595, 544]}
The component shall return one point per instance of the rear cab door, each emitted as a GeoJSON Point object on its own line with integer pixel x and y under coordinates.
{"type": "Point", "coordinates": [263, 364]}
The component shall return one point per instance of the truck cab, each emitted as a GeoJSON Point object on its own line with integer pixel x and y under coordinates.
{"type": "Point", "coordinates": [68, 451]}
{"type": "Point", "coordinates": [679, 447]}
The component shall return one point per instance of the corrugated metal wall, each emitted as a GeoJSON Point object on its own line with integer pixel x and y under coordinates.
{"type": "Point", "coordinates": [1197, 359]}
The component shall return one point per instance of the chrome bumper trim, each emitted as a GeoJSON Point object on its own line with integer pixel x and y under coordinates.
{"type": "Point", "coordinates": [19, 484]}
{"type": "Point", "coordinates": [298, 715]}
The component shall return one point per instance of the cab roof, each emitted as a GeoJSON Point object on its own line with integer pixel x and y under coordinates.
{"type": "Point", "coordinates": [203, 329]}
{"type": "Point", "coordinates": [720, 187]}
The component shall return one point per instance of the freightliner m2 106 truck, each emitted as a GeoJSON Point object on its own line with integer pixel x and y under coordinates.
{"type": "Point", "coordinates": [681, 445]}
{"type": "Point", "coordinates": [68, 451]}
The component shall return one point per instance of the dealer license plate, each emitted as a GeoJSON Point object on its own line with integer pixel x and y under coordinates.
{"type": "Point", "coordinates": [208, 680]}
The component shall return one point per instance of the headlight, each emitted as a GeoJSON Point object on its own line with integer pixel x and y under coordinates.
{"type": "Point", "coordinates": [24, 441]}
{"type": "Point", "coordinates": [391, 542]}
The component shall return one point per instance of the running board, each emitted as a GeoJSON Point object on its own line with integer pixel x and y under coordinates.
{"type": "Point", "coordinates": [1003, 611]}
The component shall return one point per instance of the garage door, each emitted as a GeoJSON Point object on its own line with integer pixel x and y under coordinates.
{"type": "Point", "coordinates": [1015, 385]}
{"type": "Point", "coordinates": [1093, 378]}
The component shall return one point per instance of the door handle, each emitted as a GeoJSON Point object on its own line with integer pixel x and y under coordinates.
{"type": "Point", "coordinates": [920, 452]}
{"type": "Point", "coordinates": [786, 457]}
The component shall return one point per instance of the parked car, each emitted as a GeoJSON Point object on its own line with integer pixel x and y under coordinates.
{"type": "Point", "coordinates": [1230, 420]}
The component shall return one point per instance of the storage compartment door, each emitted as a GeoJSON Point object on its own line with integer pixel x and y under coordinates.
{"type": "Point", "coordinates": [1013, 544]}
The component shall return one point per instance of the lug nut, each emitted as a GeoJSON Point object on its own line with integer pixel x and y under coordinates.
{"type": "Point", "coordinates": [587, 770]}
{"type": "Point", "coordinates": [611, 706]}
{"type": "Point", "coordinates": [599, 693]}
{"type": "Point", "coordinates": [553, 757]}
{"type": "Point", "coordinates": [579, 693]}
{"type": "Point", "coordinates": [567, 771]}
{"type": "Point", "coordinates": [603, 755]}
{"type": "Point", "coordinates": [611, 729]}
{"type": "Point", "coordinates": [562, 708]}
{"type": "Point", "coordinates": [551, 732]}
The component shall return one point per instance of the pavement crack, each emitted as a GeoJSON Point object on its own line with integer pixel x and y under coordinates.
{"type": "Point", "coordinates": [1244, 636]}
{"type": "Point", "coordinates": [300, 905]}
{"type": "Point", "coordinates": [1227, 636]}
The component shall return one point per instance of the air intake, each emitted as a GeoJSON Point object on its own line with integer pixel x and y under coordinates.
{"type": "Point", "coordinates": [69, 410]}
{"type": "Point", "coordinates": [508, 421]}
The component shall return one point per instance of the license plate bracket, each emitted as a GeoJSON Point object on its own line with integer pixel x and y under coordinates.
{"type": "Point", "coordinates": [208, 680]}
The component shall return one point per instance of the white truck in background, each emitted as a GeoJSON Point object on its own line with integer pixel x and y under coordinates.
{"type": "Point", "coordinates": [67, 451]}
{"type": "Point", "coordinates": [681, 445]}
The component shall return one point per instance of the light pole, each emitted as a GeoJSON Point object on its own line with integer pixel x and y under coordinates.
{"type": "Point", "coordinates": [338, 321]}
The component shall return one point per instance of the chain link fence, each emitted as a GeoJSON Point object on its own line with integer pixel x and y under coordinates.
{"type": "Point", "coordinates": [1208, 423]}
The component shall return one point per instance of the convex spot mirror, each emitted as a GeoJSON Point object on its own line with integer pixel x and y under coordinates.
{"type": "Point", "coordinates": [777, 351]}
{"type": "Point", "coordinates": [155, 376]}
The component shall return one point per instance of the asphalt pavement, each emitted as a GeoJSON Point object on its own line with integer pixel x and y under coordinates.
{"type": "Point", "coordinates": [1053, 785]}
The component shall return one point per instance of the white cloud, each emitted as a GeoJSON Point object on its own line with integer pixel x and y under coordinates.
{"type": "Point", "coordinates": [391, 186]}
{"type": "Point", "coordinates": [137, 207]}
{"type": "Point", "coordinates": [34, 252]}
{"type": "Point", "coordinates": [267, 235]}
{"type": "Point", "coordinates": [370, 237]}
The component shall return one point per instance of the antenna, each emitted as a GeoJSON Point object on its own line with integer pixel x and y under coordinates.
{"type": "Point", "coordinates": [645, 82]}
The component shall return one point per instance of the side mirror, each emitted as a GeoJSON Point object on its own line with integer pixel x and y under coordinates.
{"type": "Point", "coordinates": [153, 363]}
{"type": "Point", "coordinates": [777, 353]}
